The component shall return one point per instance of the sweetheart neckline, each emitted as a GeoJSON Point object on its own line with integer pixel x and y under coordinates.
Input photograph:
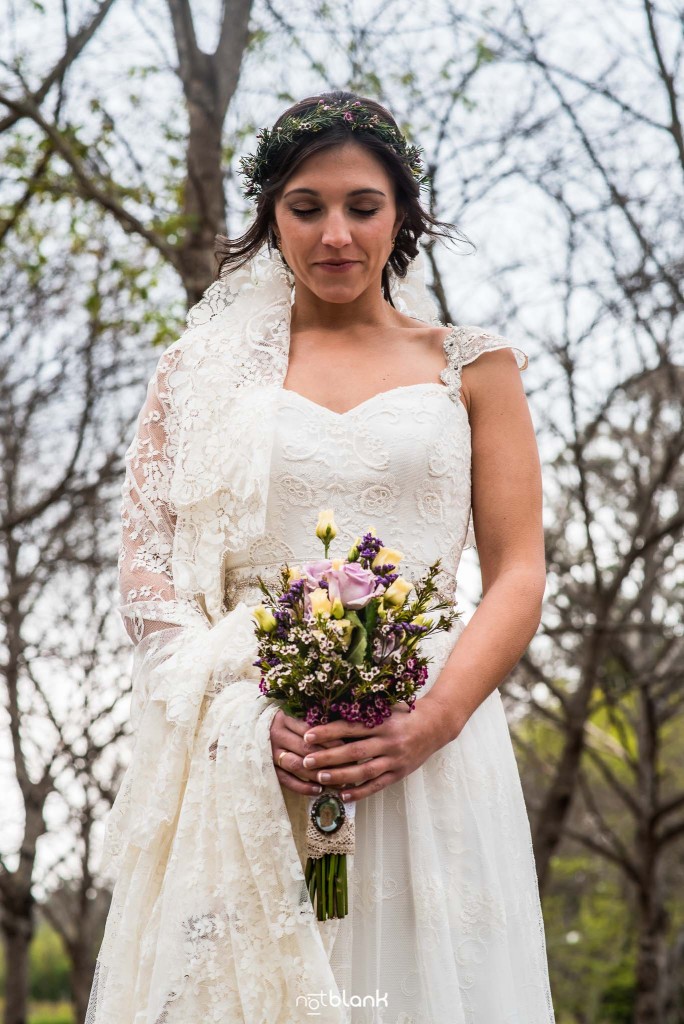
{"type": "Point", "coordinates": [390, 391]}
{"type": "Point", "coordinates": [378, 394]}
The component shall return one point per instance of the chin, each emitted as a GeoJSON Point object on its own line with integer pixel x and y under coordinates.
{"type": "Point", "coordinates": [337, 294]}
{"type": "Point", "coordinates": [337, 291]}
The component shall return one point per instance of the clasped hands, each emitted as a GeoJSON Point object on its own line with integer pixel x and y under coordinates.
{"type": "Point", "coordinates": [376, 758]}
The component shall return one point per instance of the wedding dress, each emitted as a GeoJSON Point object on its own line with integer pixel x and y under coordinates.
{"type": "Point", "coordinates": [211, 920]}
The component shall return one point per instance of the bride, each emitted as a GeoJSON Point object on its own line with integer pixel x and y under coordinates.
{"type": "Point", "coordinates": [315, 373]}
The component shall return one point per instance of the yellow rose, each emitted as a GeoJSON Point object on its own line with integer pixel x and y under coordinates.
{"type": "Point", "coordinates": [337, 609]}
{"type": "Point", "coordinates": [422, 620]}
{"type": "Point", "coordinates": [320, 602]}
{"type": "Point", "coordinates": [264, 618]}
{"type": "Point", "coordinates": [325, 527]}
{"type": "Point", "coordinates": [337, 563]}
{"type": "Point", "coordinates": [353, 553]}
{"type": "Point", "coordinates": [395, 594]}
{"type": "Point", "coordinates": [387, 556]}
{"type": "Point", "coordinates": [294, 572]}
{"type": "Point", "coordinates": [344, 628]}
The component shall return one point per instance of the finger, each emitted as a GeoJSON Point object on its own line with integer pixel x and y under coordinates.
{"type": "Point", "coordinates": [297, 785]}
{"type": "Point", "coordinates": [353, 775]}
{"type": "Point", "coordinates": [355, 793]}
{"type": "Point", "coordinates": [340, 732]}
{"type": "Point", "coordinates": [293, 764]}
{"type": "Point", "coordinates": [297, 726]}
{"type": "Point", "coordinates": [283, 738]}
{"type": "Point", "coordinates": [341, 754]}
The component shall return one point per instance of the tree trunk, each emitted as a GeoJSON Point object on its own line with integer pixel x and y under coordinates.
{"type": "Point", "coordinates": [203, 196]}
{"type": "Point", "coordinates": [555, 807]}
{"type": "Point", "coordinates": [209, 83]}
{"type": "Point", "coordinates": [17, 932]}
{"type": "Point", "coordinates": [651, 968]}
{"type": "Point", "coordinates": [83, 969]}
{"type": "Point", "coordinates": [652, 918]}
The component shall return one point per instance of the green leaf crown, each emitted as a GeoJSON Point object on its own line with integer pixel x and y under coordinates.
{"type": "Point", "coordinates": [352, 114]}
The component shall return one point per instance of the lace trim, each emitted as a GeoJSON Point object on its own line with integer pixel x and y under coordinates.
{"type": "Point", "coordinates": [463, 345]}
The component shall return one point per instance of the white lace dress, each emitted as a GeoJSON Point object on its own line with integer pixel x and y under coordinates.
{"type": "Point", "coordinates": [444, 923]}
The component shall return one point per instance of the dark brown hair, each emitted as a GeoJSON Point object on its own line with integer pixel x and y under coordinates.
{"type": "Point", "coordinates": [233, 253]}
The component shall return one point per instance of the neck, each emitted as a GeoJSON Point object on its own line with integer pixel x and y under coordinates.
{"type": "Point", "coordinates": [312, 313]}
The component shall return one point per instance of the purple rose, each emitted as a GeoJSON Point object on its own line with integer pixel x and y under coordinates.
{"type": "Point", "coordinates": [314, 572]}
{"type": "Point", "coordinates": [354, 585]}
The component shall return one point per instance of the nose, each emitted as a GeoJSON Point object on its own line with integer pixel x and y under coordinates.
{"type": "Point", "coordinates": [336, 232]}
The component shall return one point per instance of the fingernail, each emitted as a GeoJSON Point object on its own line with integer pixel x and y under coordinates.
{"type": "Point", "coordinates": [310, 737]}
{"type": "Point", "coordinates": [318, 789]}
{"type": "Point", "coordinates": [324, 776]}
{"type": "Point", "coordinates": [309, 761]}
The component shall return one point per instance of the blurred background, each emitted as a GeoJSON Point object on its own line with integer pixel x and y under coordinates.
{"type": "Point", "coordinates": [554, 136]}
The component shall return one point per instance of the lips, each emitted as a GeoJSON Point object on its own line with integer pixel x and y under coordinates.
{"type": "Point", "coordinates": [336, 263]}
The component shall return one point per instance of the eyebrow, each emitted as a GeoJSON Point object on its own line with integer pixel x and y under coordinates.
{"type": "Point", "coordinates": [354, 192]}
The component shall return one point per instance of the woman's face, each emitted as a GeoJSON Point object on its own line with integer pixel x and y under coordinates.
{"type": "Point", "coordinates": [338, 205]}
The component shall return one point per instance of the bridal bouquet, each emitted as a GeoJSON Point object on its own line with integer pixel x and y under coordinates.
{"type": "Point", "coordinates": [339, 639]}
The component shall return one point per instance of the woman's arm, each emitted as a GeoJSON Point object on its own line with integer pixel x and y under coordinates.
{"type": "Point", "coordinates": [507, 516]}
{"type": "Point", "coordinates": [149, 606]}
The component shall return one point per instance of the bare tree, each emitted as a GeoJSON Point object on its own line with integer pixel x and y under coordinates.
{"type": "Point", "coordinates": [184, 237]}
{"type": "Point", "coordinates": [87, 653]}
{"type": "Point", "coordinates": [607, 175]}
{"type": "Point", "coordinates": [64, 397]}
{"type": "Point", "coordinates": [629, 797]}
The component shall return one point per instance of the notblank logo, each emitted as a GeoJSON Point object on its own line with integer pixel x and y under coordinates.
{"type": "Point", "coordinates": [315, 1001]}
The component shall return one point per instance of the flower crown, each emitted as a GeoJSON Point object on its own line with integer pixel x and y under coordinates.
{"type": "Point", "coordinates": [352, 114]}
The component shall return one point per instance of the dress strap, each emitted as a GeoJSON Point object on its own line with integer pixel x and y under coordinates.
{"type": "Point", "coordinates": [463, 345]}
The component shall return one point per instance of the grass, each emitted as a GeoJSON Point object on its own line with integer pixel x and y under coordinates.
{"type": "Point", "coordinates": [51, 1013]}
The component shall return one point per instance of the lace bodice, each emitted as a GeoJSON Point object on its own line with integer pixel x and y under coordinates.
{"type": "Point", "coordinates": [399, 462]}
{"type": "Point", "coordinates": [412, 486]}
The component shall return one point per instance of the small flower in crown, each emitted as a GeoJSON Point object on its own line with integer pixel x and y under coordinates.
{"type": "Point", "coordinates": [354, 115]}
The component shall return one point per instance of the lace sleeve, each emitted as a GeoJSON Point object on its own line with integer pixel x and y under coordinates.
{"type": "Point", "coordinates": [148, 599]}
{"type": "Point", "coordinates": [465, 344]}
{"type": "Point", "coordinates": [180, 656]}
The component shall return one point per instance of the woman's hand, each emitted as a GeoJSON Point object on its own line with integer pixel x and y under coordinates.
{"type": "Point", "coordinates": [288, 746]}
{"type": "Point", "coordinates": [389, 751]}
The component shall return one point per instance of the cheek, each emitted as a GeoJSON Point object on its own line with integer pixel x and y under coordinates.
{"type": "Point", "coordinates": [378, 231]}
{"type": "Point", "coordinates": [297, 233]}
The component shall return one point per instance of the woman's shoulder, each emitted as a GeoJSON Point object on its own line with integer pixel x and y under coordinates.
{"type": "Point", "coordinates": [181, 355]}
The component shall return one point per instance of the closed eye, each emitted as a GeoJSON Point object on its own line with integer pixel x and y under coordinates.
{"type": "Point", "coordinates": [305, 213]}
